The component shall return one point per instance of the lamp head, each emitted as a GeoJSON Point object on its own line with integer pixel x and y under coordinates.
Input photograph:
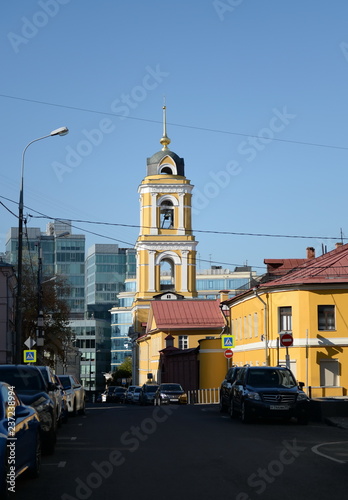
{"type": "Point", "coordinates": [60, 131]}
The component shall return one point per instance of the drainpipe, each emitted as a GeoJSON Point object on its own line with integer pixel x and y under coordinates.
{"type": "Point", "coordinates": [265, 325]}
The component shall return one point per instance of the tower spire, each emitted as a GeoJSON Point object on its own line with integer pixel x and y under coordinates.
{"type": "Point", "coordinates": [165, 139]}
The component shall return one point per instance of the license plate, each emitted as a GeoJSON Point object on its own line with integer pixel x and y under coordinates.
{"type": "Point", "coordinates": [279, 407]}
{"type": "Point", "coordinates": [174, 399]}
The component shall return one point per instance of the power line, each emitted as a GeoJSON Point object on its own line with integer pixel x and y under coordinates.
{"type": "Point", "coordinates": [181, 125]}
{"type": "Point", "coordinates": [136, 226]}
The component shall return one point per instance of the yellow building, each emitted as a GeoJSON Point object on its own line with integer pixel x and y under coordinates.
{"type": "Point", "coordinates": [166, 247]}
{"type": "Point", "coordinates": [165, 302]}
{"type": "Point", "coordinates": [177, 326]}
{"type": "Point", "coordinates": [310, 303]}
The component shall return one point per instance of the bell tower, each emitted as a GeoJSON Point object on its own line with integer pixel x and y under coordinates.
{"type": "Point", "coordinates": [166, 247]}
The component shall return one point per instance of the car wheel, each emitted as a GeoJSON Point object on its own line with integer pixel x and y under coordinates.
{"type": "Point", "coordinates": [222, 406]}
{"type": "Point", "coordinates": [34, 468]}
{"type": "Point", "coordinates": [82, 410]}
{"type": "Point", "coordinates": [231, 409]}
{"type": "Point", "coordinates": [245, 414]}
{"type": "Point", "coordinates": [74, 409]}
{"type": "Point", "coordinates": [50, 442]}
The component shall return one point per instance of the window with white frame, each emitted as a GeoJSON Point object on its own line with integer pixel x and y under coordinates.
{"type": "Point", "coordinates": [183, 341]}
{"type": "Point", "coordinates": [285, 319]}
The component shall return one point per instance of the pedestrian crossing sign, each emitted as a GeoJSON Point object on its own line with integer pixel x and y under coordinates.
{"type": "Point", "coordinates": [227, 341]}
{"type": "Point", "coordinates": [30, 356]}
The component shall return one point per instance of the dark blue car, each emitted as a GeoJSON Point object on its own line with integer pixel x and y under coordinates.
{"type": "Point", "coordinates": [20, 448]}
{"type": "Point", "coordinates": [33, 391]}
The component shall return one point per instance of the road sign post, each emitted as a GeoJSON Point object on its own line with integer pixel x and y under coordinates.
{"type": "Point", "coordinates": [286, 340]}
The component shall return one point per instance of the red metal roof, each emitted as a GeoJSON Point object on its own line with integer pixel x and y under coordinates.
{"type": "Point", "coordinates": [183, 314]}
{"type": "Point", "coordinates": [282, 266]}
{"type": "Point", "coordinates": [331, 267]}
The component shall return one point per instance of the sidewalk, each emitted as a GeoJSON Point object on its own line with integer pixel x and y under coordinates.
{"type": "Point", "coordinates": [332, 411]}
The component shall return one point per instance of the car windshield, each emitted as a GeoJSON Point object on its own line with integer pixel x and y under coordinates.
{"type": "Point", "coordinates": [65, 382]}
{"type": "Point", "coordinates": [271, 378]}
{"type": "Point", "coordinates": [137, 389]}
{"type": "Point", "coordinates": [22, 379]}
{"type": "Point", "coordinates": [171, 387]}
{"type": "Point", "coordinates": [44, 373]}
{"type": "Point", "coordinates": [151, 388]}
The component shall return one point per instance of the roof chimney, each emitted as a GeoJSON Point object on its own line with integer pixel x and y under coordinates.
{"type": "Point", "coordinates": [338, 244]}
{"type": "Point", "coordinates": [310, 253]}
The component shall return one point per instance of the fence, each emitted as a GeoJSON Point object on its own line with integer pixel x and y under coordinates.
{"type": "Point", "coordinates": [204, 396]}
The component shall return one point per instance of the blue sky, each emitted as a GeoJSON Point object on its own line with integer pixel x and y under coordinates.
{"type": "Point", "coordinates": [256, 94]}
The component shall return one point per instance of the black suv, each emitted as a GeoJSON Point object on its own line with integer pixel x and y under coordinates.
{"type": "Point", "coordinates": [226, 386]}
{"type": "Point", "coordinates": [268, 391]}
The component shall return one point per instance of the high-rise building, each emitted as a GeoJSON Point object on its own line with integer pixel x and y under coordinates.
{"type": "Point", "coordinates": [62, 253]}
{"type": "Point", "coordinates": [107, 268]}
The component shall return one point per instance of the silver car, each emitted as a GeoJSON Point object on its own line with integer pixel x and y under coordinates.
{"type": "Point", "coordinates": [75, 394]}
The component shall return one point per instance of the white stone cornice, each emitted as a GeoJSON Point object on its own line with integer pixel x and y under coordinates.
{"type": "Point", "coordinates": [165, 188]}
{"type": "Point", "coordinates": [165, 246]}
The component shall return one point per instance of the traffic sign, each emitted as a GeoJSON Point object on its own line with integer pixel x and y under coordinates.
{"type": "Point", "coordinates": [30, 356]}
{"type": "Point", "coordinates": [227, 341]}
{"type": "Point", "coordinates": [286, 339]}
{"type": "Point", "coordinates": [228, 353]}
{"type": "Point", "coordinates": [30, 342]}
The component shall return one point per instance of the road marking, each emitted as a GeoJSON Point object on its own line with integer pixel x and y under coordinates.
{"type": "Point", "coordinates": [73, 438]}
{"type": "Point", "coordinates": [315, 450]}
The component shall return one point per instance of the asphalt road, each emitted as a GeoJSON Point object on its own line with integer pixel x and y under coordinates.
{"type": "Point", "coordinates": [126, 452]}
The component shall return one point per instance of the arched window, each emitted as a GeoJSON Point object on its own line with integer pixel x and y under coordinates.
{"type": "Point", "coordinates": [167, 274]}
{"type": "Point", "coordinates": [166, 215]}
{"type": "Point", "coordinates": [166, 169]}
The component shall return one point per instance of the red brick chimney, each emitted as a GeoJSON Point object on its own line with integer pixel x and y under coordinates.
{"type": "Point", "coordinates": [310, 253]}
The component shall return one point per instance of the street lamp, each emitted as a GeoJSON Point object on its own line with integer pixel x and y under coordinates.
{"type": "Point", "coordinates": [58, 131]}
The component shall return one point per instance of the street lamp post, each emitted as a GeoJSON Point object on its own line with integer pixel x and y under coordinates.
{"type": "Point", "coordinates": [58, 131]}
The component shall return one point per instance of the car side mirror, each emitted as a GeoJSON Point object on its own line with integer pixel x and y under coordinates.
{"type": "Point", "coordinates": [51, 386]}
{"type": "Point", "coordinates": [301, 385]}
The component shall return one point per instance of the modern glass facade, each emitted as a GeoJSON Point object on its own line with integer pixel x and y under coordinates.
{"type": "Point", "coordinates": [107, 268]}
{"type": "Point", "coordinates": [93, 341]}
{"type": "Point", "coordinates": [62, 253]}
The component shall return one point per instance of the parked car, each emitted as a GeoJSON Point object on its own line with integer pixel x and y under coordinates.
{"type": "Point", "coordinates": [31, 388]}
{"type": "Point", "coordinates": [147, 394]}
{"type": "Point", "coordinates": [170, 393]}
{"type": "Point", "coordinates": [114, 394]}
{"type": "Point", "coordinates": [75, 394]}
{"type": "Point", "coordinates": [20, 445]}
{"type": "Point", "coordinates": [136, 395]}
{"type": "Point", "coordinates": [64, 410]}
{"type": "Point", "coordinates": [128, 398]}
{"type": "Point", "coordinates": [107, 394]}
{"type": "Point", "coordinates": [53, 391]}
{"type": "Point", "coordinates": [225, 388]}
{"type": "Point", "coordinates": [268, 391]}
{"type": "Point", "coordinates": [118, 394]}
